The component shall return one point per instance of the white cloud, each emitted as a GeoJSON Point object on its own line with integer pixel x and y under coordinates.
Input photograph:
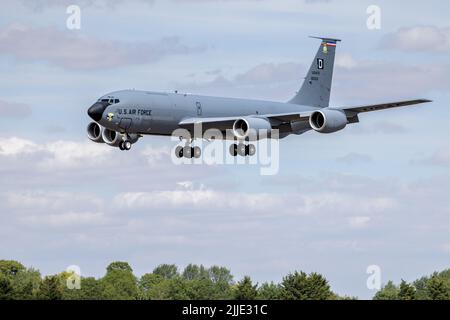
{"type": "Point", "coordinates": [72, 51]}
{"type": "Point", "coordinates": [17, 146]}
{"type": "Point", "coordinates": [57, 154]}
{"type": "Point", "coordinates": [70, 154]}
{"type": "Point", "coordinates": [155, 155]}
{"type": "Point", "coordinates": [50, 201]}
{"type": "Point", "coordinates": [419, 38]}
{"type": "Point", "coordinates": [359, 221]}
{"type": "Point", "coordinates": [191, 199]}
{"type": "Point", "coordinates": [67, 219]}
{"type": "Point", "coordinates": [346, 61]}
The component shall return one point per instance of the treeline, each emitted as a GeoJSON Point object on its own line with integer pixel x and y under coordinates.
{"type": "Point", "coordinates": [195, 282]}
{"type": "Point", "coordinates": [434, 287]}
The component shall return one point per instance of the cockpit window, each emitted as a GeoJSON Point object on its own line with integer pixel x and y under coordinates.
{"type": "Point", "coordinates": [110, 101]}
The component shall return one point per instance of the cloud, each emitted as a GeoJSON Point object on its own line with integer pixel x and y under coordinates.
{"type": "Point", "coordinates": [353, 82]}
{"type": "Point", "coordinates": [57, 154]}
{"type": "Point", "coordinates": [269, 73]}
{"type": "Point", "coordinates": [50, 201]}
{"type": "Point", "coordinates": [354, 158]}
{"type": "Point", "coordinates": [192, 200]}
{"type": "Point", "coordinates": [67, 219]}
{"type": "Point", "coordinates": [39, 5]}
{"type": "Point", "coordinates": [72, 51]}
{"type": "Point", "coordinates": [14, 110]}
{"type": "Point", "coordinates": [418, 38]}
{"type": "Point", "coordinates": [359, 222]}
{"type": "Point", "coordinates": [17, 146]}
{"type": "Point", "coordinates": [440, 157]}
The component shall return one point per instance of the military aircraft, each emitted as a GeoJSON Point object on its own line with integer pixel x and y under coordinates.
{"type": "Point", "coordinates": [122, 117]}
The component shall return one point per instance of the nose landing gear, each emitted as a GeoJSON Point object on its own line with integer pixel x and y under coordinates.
{"type": "Point", "coordinates": [125, 144]}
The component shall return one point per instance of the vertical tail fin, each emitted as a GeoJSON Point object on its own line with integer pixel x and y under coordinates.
{"type": "Point", "coordinates": [316, 88]}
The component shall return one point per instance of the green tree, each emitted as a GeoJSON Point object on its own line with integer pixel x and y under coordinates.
{"type": "Point", "coordinates": [10, 267]}
{"type": "Point", "coordinates": [245, 290]}
{"type": "Point", "coordinates": [437, 288]}
{"type": "Point", "coordinates": [119, 283]}
{"type": "Point", "coordinates": [26, 284]}
{"type": "Point", "coordinates": [153, 287]}
{"type": "Point", "coordinates": [388, 292]}
{"type": "Point", "coordinates": [269, 291]}
{"type": "Point", "coordinates": [119, 266]}
{"type": "Point", "coordinates": [51, 288]}
{"type": "Point", "coordinates": [220, 275]}
{"type": "Point", "coordinates": [300, 286]}
{"type": "Point", "coordinates": [195, 272]}
{"type": "Point", "coordinates": [90, 289]}
{"type": "Point", "coordinates": [407, 291]}
{"type": "Point", "coordinates": [166, 271]}
{"type": "Point", "coordinates": [6, 288]}
{"type": "Point", "coordinates": [421, 288]}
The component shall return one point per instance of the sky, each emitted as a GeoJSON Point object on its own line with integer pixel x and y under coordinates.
{"type": "Point", "coordinates": [376, 193]}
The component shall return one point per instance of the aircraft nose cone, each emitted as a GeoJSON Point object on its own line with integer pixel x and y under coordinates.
{"type": "Point", "coordinates": [96, 111]}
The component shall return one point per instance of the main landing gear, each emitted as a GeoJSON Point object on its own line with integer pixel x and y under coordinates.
{"type": "Point", "coordinates": [188, 152]}
{"type": "Point", "coordinates": [242, 150]}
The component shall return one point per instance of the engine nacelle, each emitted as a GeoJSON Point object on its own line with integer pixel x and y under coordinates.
{"type": "Point", "coordinates": [113, 138]}
{"type": "Point", "coordinates": [250, 127]}
{"type": "Point", "coordinates": [94, 132]}
{"type": "Point", "coordinates": [328, 120]}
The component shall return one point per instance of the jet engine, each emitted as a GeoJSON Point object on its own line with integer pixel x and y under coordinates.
{"type": "Point", "coordinates": [113, 138]}
{"type": "Point", "coordinates": [251, 127]}
{"type": "Point", "coordinates": [328, 120]}
{"type": "Point", "coordinates": [94, 132]}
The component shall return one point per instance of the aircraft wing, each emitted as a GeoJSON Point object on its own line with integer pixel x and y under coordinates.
{"type": "Point", "coordinates": [224, 123]}
{"type": "Point", "coordinates": [220, 123]}
{"type": "Point", "coordinates": [353, 111]}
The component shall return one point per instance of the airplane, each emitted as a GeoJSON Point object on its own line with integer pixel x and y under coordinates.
{"type": "Point", "coordinates": [121, 118]}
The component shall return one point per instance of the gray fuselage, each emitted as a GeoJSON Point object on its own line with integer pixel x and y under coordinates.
{"type": "Point", "coordinates": [159, 113]}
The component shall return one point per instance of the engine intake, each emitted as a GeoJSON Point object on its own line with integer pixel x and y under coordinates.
{"type": "Point", "coordinates": [111, 137]}
{"type": "Point", "coordinates": [94, 132]}
{"type": "Point", "coordinates": [251, 127]}
{"type": "Point", "coordinates": [328, 121]}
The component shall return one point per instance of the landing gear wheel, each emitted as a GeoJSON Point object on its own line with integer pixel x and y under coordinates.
{"type": "Point", "coordinates": [179, 152]}
{"type": "Point", "coordinates": [241, 149]}
{"type": "Point", "coordinates": [251, 150]}
{"type": "Point", "coordinates": [197, 152]}
{"type": "Point", "coordinates": [127, 145]}
{"type": "Point", "coordinates": [121, 146]}
{"type": "Point", "coordinates": [233, 150]}
{"type": "Point", "coordinates": [187, 152]}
